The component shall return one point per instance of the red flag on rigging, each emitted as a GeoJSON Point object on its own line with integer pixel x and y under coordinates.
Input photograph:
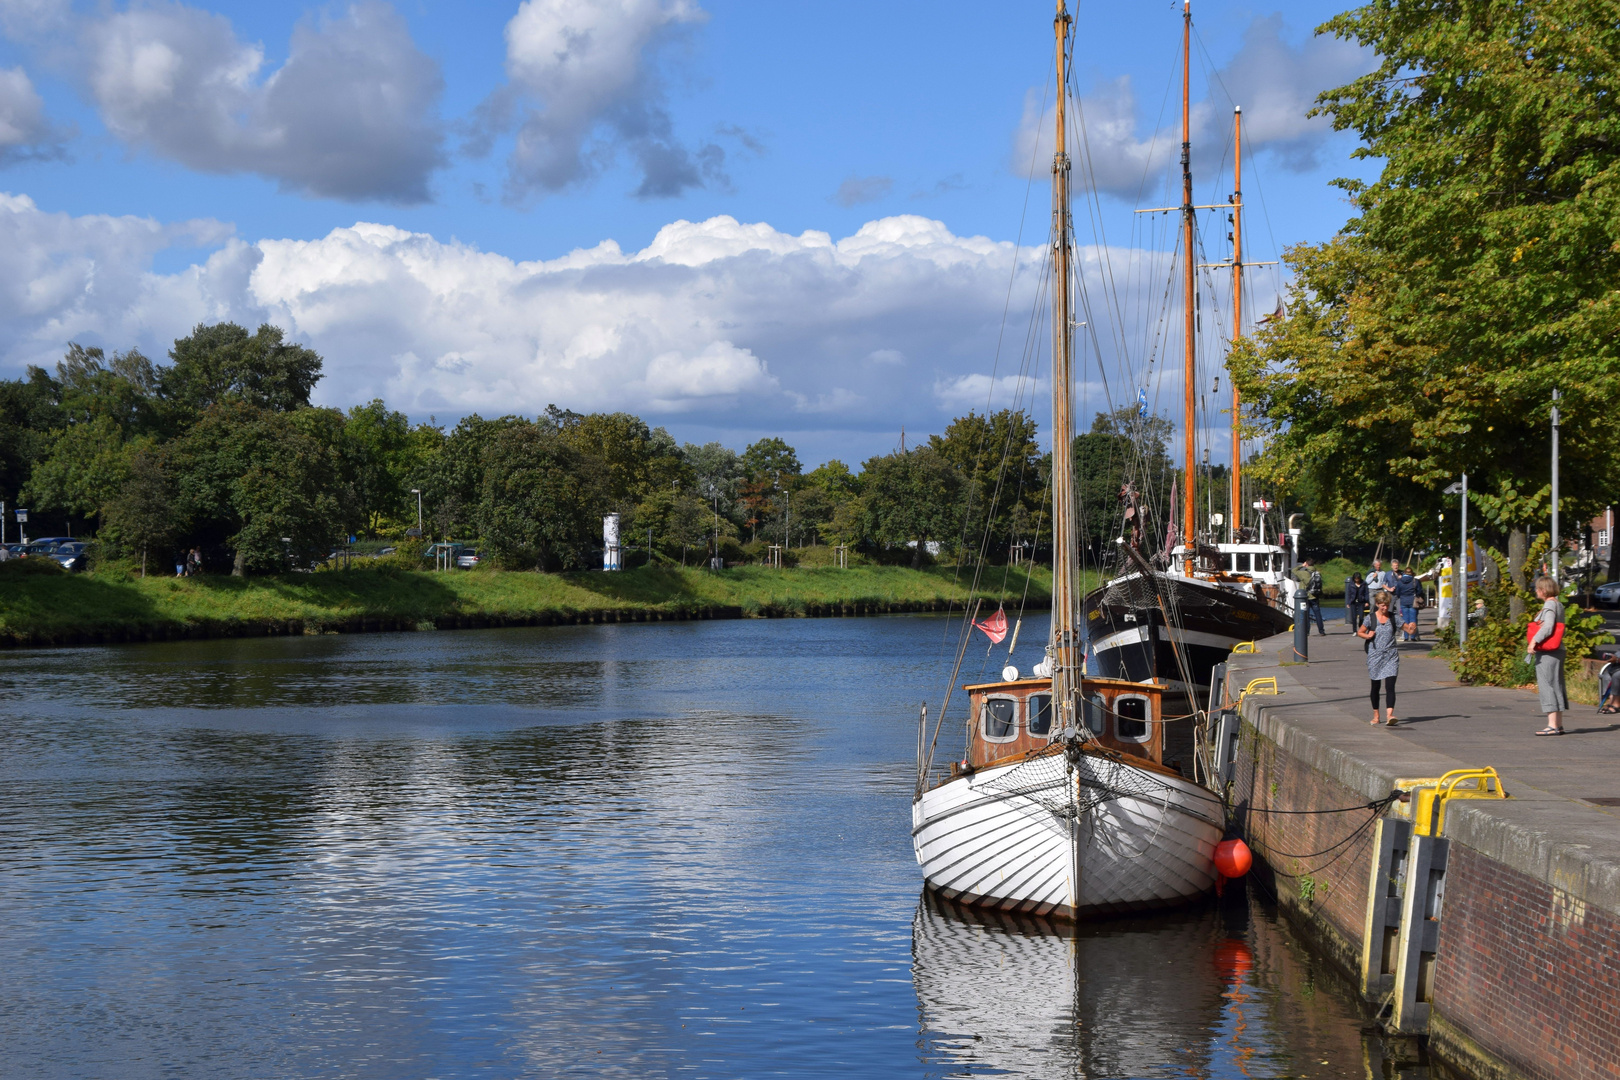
{"type": "Point", "coordinates": [995, 627]}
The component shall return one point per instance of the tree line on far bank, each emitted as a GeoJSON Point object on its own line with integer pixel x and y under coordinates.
{"type": "Point", "coordinates": [220, 449]}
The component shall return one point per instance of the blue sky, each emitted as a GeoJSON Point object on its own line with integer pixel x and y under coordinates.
{"type": "Point", "coordinates": [401, 187]}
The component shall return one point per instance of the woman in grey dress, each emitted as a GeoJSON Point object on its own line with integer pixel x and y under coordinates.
{"type": "Point", "coordinates": [1379, 630]}
{"type": "Point", "coordinates": [1549, 663]}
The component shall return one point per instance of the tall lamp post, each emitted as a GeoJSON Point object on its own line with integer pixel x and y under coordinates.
{"type": "Point", "coordinates": [1557, 552]}
{"type": "Point", "coordinates": [418, 493]}
{"type": "Point", "coordinates": [1461, 488]}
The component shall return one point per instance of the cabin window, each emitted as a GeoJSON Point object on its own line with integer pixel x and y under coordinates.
{"type": "Point", "coordinates": [1245, 563]}
{"type": "Point", "coordinates": [1000, 719]}
{"type": "Point", "coordinates": [1131, 718]}
{"type": "Point", "coordinates": [1040, 714]}
{"type": "Point", "coordinates": [1096, 714]}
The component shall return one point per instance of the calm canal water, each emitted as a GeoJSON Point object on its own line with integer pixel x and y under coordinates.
{"type": "Point", "coordinates": [621, 851]}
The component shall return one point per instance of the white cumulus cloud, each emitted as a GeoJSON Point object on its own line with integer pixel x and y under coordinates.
{"type": "Point", "coordinates": [25, 133]}
{"type": "Point", "coordinates": [352, 114]}
{"type": "Point", "coordinates": [718, 322]}
{"type": "Point", "coordinates": [718, 325]}
{"type": "Point", "coordinates": [584, 86]}
{"type": "Point", "coordinates": [1274, 81]}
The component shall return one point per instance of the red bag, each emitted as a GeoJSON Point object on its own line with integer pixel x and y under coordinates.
{"type": "Point", "coordinates": [1555, 639]}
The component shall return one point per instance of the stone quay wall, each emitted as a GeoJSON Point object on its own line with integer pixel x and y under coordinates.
{"type": "Point", "coordinates": [1526, 979]}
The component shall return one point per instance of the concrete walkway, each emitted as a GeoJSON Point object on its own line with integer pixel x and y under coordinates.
{"type": "Point", "coordinates": [1524, 980]}
{"type": "Point", "coordinates": [1475, 725]}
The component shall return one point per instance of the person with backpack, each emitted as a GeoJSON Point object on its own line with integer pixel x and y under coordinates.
{"type": "Point", "coordinates": [1383, 655]}
{"type": "Point", "coordinates": [1546, 638]}
{"type": "Point", "coordinates": [1406, 595]}
{"type": "Point", "coordinates": [1310, 580]}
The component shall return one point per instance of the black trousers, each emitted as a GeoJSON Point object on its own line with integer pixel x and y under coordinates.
{"type": "Point", "coordinates": [1389, 693]}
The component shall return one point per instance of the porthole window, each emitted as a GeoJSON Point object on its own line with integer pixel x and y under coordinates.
{"type": "Point", "coordinates": [1096, 714]}
{"type": "Point", "coordinates": [1000, 719]}
{"type": "Point", "coordinates": [1131, 718]}
{"type": "Point", "coordinates": [1040, 714]}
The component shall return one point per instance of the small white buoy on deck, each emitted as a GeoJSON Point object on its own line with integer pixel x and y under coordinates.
{"type": "Point", "coordinates": [1009, 674]}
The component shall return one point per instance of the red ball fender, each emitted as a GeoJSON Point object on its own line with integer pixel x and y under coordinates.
{"type": "Point", "coordinates": [1233, 858]}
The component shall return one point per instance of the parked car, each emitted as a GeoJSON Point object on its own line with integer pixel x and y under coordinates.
{"type": "Point", "coordinates": [384, 551]}
{"type": "Point", "coordinates": [46, 545]}
{"type": "Point", "coordinates": [467, 559]}
{"type": "Point", "coordinates": [432, 552]}
{"type": "Point", "coordinates": [73, 555]}
{"type": "Point", "coordinates": [1608, 595]}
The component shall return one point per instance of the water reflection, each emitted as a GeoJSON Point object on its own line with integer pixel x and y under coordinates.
{"type": "Point", "coordinates": [1219, 992]}
{"type": "Point", "coordinates": [648, 851]}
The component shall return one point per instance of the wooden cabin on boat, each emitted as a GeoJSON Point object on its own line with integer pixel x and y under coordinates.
{"type": "Point", "coordinates": [1010, 719]}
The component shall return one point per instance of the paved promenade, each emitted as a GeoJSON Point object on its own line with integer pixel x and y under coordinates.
{"type": "Point", "coordinates": [1475, 725]}
{"type": "Point", "coordinates": [1523, 982]}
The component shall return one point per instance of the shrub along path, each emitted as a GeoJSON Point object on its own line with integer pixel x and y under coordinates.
{"type": "Point", "coordinates": [40, 605]}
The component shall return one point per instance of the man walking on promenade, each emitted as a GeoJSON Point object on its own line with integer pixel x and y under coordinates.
{"type": "Point", "coordinates": [1310, 580]}
{"type": "Point", "coordinates": [1379, 578]}
{"type": "Point", "coordinates": [1406, 594]}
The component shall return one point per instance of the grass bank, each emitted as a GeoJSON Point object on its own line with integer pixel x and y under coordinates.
{"type": "Point", "coordinates": [40, 605]}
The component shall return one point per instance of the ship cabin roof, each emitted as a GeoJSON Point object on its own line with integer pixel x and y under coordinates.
{"type": "Point", "coordinates": [1013, 718]}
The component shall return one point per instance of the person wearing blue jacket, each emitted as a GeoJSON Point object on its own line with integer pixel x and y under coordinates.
{"type": "Point", "coordinates": [1406, 594]}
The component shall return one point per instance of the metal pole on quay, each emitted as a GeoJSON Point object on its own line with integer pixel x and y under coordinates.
{"type": "Point", "coordinates": [1302, 628]}
{"type": "Point", "coordinates": [1557, 553]}
{"type": "Point", "coordinates": [1462, 565]}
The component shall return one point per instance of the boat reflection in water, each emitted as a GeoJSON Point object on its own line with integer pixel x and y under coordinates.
{"type": "Point", "coordinates": [1196, 993]}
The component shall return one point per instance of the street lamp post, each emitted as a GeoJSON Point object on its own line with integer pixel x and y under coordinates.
{"type": "Point", "coordinates": [1557, 552]}
{"type": "Point", "coordinates": [1462, 565]}
{"type": "Point", "coordinates": [418, 493]}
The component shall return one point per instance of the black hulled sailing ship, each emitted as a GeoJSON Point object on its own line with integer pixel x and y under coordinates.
{"type": "Point", "coordinates": [1175, 614]}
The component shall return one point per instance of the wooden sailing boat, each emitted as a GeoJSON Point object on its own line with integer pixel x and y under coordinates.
{"type": "Point", "coordinates": [1062, 804]}
{"type": "Point", "coordinates": [1177, 620]}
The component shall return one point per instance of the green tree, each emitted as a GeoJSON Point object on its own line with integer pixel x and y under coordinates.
{"type": "Point", "coordinates": [716, 474]}
{"type": "Point", "coordinates": [531, 511]}
{"type": "Point", "coordinates": [123, 390]}
{"type": "Point", "coordinates": [913, 495]}
{"type": "Point", "coordinates": [1481, 271]}
{"type": "Point", "coordinates": [30, 414]}
{"type": "Point", "coordinates": [452, 476]}
{"type": "Point", "coordinates": [144, 514]}
{"type": "Point", "coordinates": [624, 460]}
{"type": "Point", "coordinates": [1122, 447]}
{"type": "Point", "coordinates": [768, 468]}
{"type": "Point", "coordinates": [248, 477]}
{"type": "Point", "coordinates": [224, 361]}
{"type": "Point", "coordinates": [382, 454]}
{"type": "Point", "coordinates": [835, 479]}
{"type": "Point", "coordinates": [84, 469]}
{"type": "Point", "coordinates": [1000, 461]}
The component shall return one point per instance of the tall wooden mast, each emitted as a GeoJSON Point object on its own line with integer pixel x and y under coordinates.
{"type": "Point", "coordinates": [1190, 416]}
{"type": "Point", "coordinates": [1236, 516]}
{"type": "Point", "coordinates": [1066, 656]}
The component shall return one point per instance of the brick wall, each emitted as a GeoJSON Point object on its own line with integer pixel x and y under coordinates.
{"type": "Point", "coordinates": [1326, 893]}
{"type": "Point", "coordinates": [1523, 965]}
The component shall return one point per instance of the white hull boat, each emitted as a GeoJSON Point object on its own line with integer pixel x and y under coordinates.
{"type": "Point", "coordinates": [1062, 803]}
{"type": "Point", "coordinates": [1045, 837]}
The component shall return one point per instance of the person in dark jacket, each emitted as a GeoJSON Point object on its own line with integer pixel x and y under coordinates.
{"type": "Point", "coordinates": [1310, 583]}
{"type": "Point", "coordinates": [1406, 594]}
{"type": "Point", "coordinates": [1356, 599]}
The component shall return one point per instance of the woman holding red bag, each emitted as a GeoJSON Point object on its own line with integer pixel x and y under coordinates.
{"type": "Point", "coordinates": [1546, 637]}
